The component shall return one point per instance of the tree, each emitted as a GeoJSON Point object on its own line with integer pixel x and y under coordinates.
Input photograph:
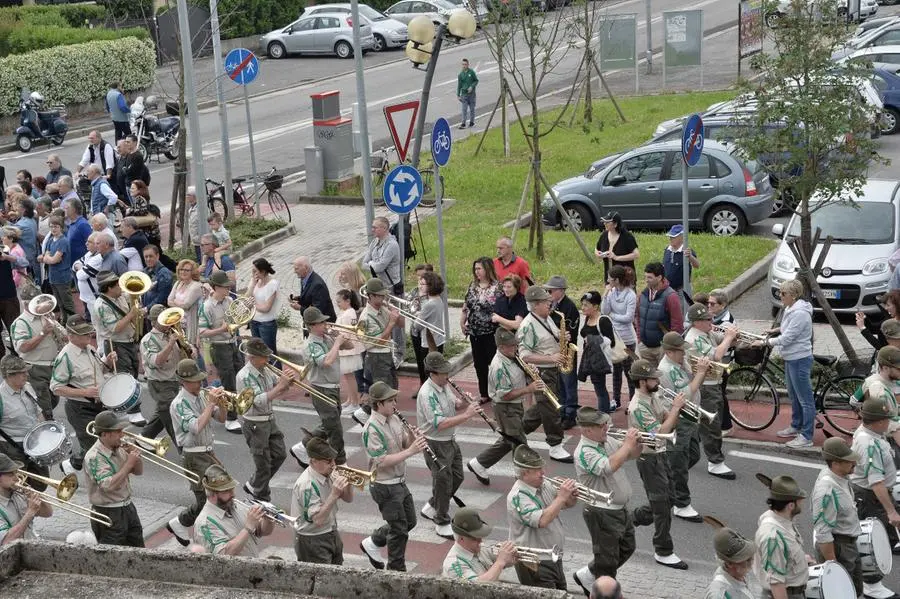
{"type": "Point", "coordinates": [809, 121]}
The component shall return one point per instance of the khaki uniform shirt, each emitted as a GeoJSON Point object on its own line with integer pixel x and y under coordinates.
{"type": "Point", "coordinates": [214, 528]}
{"type": "Point", "coordinates": [524, 507]}
{"type": "Point", "coordinates": [465, 565]}
{"type": "Point", "coordinates": [876, 463]}
{"type": "Point", "coordinates": [535, 339]}
{"type": "Point", "coordinates": [703, 345]}
{"type": "Point", "coordinates": [212, 316]}
{"type": "Point", "coordinates": [101, 464]}
{"type": "Point", "coordinates": [249, 377]}
{"type": "Point", "coordinates": [12, 510]}
{"type": "Point", "coordinates": [19, 411]}
{"type": "Point", "coordinates": [383, 436]}
{"type": "Point", "coordinates": [833, 508]}
{"type": "Point", "coordinates": [592, 470]}
{"type": "Point", "coordinates": [108, 317]}
{"type": "Point", "coordinates": [78, 368]}
{"type": "Point", "coordinates": [185, 411]}
{"type": "Point", "coordinates": [314, 352]}
{"type": "Point", "coordinates": [25, 328]}
{"type": "Point", "coordinates": [151, 345]}
{"type": "Point", "coordinates": [309, 494]}
{"type": "Point", "coordinates": [780, 558]}
{"type": "Point", "coordinates": [505, 375]}
{"type": "Point", "coordinates": [723, 586]}
{"type": "Point", "coordinates": [375, 322]}
{"type": "Point", "coordinates": [677, 378]}
{"type": "Point", "coordinates": [434, 405]}
{"type": "Point", "coordinates": [882, 388]}
{"type": "Point", "coordinates": [647, 413]}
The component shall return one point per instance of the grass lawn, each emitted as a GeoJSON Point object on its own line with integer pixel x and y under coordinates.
{"type": "Point", "coordinates": [487, 189]}
{"type": "Point", "coordinates": [242, 229]}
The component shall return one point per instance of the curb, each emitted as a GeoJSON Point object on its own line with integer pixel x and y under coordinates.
{"type": "Point", "coordinates": [774, 447]}
{"type": "Point", "coordinates": [160, 524]}
{"type": "Point", "coordinates": [260, 244]}
{"type": "Point", "coordinates": [750, 277]}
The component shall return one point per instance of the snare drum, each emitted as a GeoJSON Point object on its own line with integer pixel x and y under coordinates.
{"type": "Point", "coordinates": [874, 548]}
{"type": "Point", "coordinates": [895, 492]}
{"type": "Point", "coordinates": [829, 580]}
{"type": "Point", "coordinates": [120, 392]}
{"type": "Point", "coordinates": [47, 443]}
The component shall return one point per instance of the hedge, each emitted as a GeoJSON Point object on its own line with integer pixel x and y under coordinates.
{"type": "Point", "coordinates": [74, 15]}
{"type": "Point", "coordinates": [77, 73]}
{"type": "Point", "coordinates": [237, 19]}
{"type": "Point", "coordinates": [28, 38]}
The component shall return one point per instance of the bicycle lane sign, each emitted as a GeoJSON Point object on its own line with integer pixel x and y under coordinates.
{"type": "Point", "coordinates": [441, 142]}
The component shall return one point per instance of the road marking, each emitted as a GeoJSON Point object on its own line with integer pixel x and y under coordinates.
{"type": "Point", "coordinates": [749, 455]}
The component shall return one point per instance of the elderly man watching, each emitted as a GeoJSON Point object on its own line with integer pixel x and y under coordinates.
{"type": "Point", "coordinates": [103, 198]}
{"type": "Point", "coordinates": [98, 153]}
{"type": "Point", "coordinates": [67, 191]}
{"type": "Point", "coordinates": [135, 242]}
{"type": "Point", "coordinates": [55, 169]}
{"type": "Point", "coordinates": [111, 259]}
{"type": "Point", "coordinates": [210, 264]}
{"type": "Point", "coordinates": [100, 224]}
{"type": "Point", "coordinates": [313, 290]}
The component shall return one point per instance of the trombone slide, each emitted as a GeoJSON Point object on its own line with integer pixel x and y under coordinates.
{"type": "Point", "coordinates": [302, 372]}
{"type": "Point", "coordinates": [152, 455]}
{"type": "Point", "coordinates": [22, 487]}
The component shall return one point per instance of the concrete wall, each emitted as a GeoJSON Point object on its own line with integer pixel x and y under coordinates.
{"type": "Point", "coordinates": [245, 573]}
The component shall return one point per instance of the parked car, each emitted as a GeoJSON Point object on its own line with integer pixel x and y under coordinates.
{"type": "Point", "coordinates": [322, 33]}
{"type": "Point", "coordinates": [872, 24]}
{"type": "Point", "coordinates": [388, 32]}
{"type": "Point", "coordinates": [727, 192]}
{"type": "Point", "coordinates": [887, 82]}
{"type": "Point", "coordinates": [741, 105]}
{"type": "Point", "coordinates": [477, 7]}
{"type": "Point", "coordinates": [881, 57]}
{"type": "Point", "coordinates": [867, 9]}
{"type": "Point", "coordinates": [407, 10]}
{"type": "Point", "coordinates": [864, 235]}
{"type": "Point", "coordinates": [886, 35]}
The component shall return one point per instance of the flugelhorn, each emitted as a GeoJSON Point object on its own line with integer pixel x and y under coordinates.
{"type": "Point", "coordinates": [532, 371]}
{"type": "Point", "coordinates": [271, 512]}
{"type": "Point", "coordinates": [152, 455]}
{"type": "Point", "coordinates": [690, 409]}
{"type": "Point", "coordinates": [135, 283]}
{"type": "Point", "coordinates": [302, 372]}
{"type": "Point", "coordinates": [584, 493]}
{"type": "Point", "coordinates": [530, 557]}
{"type": "Point", "coordinates": [649, 440]}
{"type": "Point", "coordinates": [64, 488]}
{"type": "Point", "coordinates": [173, 317]}
{"type": "Point", "coordinates": [407, 310]}
{"type": "Point", "coordinates": [233, 402]}
{"type": "Point", "coordinates": [43, 305]}
{"type": "Point", "coordinates": [715, 371]}
{"type": "Point", "coordinates": [357, 478]}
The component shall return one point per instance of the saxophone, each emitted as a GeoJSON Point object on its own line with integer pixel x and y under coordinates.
{"type": "Point", "coordinates": [535, 374]}
{"type": "Point", "coordinates": [566, 349]}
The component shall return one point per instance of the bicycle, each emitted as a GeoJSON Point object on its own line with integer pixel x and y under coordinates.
{"type": "Point", "coordinates": [754, 400]}
{"type": "Point", "coordinates": [272, 182]}
{"type": "Point", "coordinates": [380, 166]}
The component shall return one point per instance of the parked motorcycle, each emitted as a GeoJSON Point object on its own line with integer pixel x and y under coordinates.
{"type": "Point", "coordinates": [155, 135]}
{"type": "Point", "coordinates": [39, 123]}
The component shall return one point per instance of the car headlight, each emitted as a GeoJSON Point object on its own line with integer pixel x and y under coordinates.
{"type": "Point", "coordinates": [879, 266]}
{"type": "Point", "coordinates": [785, 263]}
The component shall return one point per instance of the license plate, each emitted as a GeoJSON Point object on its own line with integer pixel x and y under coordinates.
{"type": "Point", "coordinates": [831, 293]}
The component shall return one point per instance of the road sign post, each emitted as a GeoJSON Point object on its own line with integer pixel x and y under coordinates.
{"type": "Point", "coordinates": [220, 96]}
{"type": "Point", "coordinates": [441, 143]}
{"type": "Point", "coordinates": [691, 151]}
{"type": "Point", "coordinates": [242, 66]}
{"type": "Point", "coordinates": [403, 188]}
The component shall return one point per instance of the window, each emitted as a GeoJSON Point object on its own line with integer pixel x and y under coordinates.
{"type": "Point", "coordinates": [401, 8]}
{"type": "Point", "coordinates": [327, 23]}
{"type": "Point", "coordinates": [889, 58]}
{"type": "Point", "coordinates": [722, 169]}
{"type": "Point", "coordinates": [887, 38]}
{"type": "Point", "coordinates": [701, 170]}
{"type": "Point", "coordinates": [642, 168]}
{"type": "Point", "coordinates": [865, 223]}
{"type": "Point", "coordinates": [670, 136]}
{"type": "Point", "coordinates": [880, 84]}
{"type": "Point", "coordinates": [305, 25]}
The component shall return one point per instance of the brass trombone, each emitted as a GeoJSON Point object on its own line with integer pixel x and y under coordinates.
{"type": "Point", "coordinates": [236, 402]}
{"type": "Point", "coordinates": [65, 489]}
{"type": "Point", "coordinates": [530, 557]}
{"type": "Point", "coordinates": [407, 310]}
{"type": "Point", "coordinates": [134, 284]}
{"type": "Point", "coordinates": [173, 317]}
{"type": "Point", "coordinates": [358, 333]}
{"type": "Point", "coordinates": [302, 372]}
{"type": "Point", "coordinates": [584, 493]}
{"type": "Point", "coordinates": [154, 455]}
{"type": "Point", "coordinates": [690, 410]}
{"type": "Point", "coordinates": [357, 478]}
{"type": "Point", "coordinates": [648, 440]}
{"type": "Point", "coordinates": [743, 336]}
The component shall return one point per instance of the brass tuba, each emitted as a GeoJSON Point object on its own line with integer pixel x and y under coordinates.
{"type": "Point", "coordinates": [135, 283]}
{"type": "Point", "coordinates": [566, 349]}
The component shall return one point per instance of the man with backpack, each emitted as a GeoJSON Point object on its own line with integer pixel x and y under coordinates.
{"type": "Point", "coordinates": [98, 153]}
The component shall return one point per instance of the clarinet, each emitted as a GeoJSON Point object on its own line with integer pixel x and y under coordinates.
{"type": "Point", "coordinates": [414, 433]}
{"type": "Point", "coordinates": [468, 397]}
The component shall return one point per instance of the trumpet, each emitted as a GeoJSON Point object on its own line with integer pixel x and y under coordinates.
{"type": "Point", "coordinates": [530, 557]}
{"type": "Point", "coordinates": [271, 512]}
{"type": "Point", "coordinates": [743, 336]}
{"type": "Point", "coordinates": [648, 440]}
{"type": "Point", "coordinates": [407, 310]}
{"type": "Point", "coordinates": [532, 371]}
{"type": "Point", "coordinates": [65, 489]}
{"type": "Point", "coordinates": [154, 455]}
{"type": "Point", "coordinates": [715, 371]}
{"type": "Point", "coordinates": [173, 317]}
{"type": "Point", "coordinates": [302, 372]}
{"type": "Point", "coordinates": [358, 333]}
{"type": "Point", "coordinates": [690, 410]}
{"type": "Point", "coordinates": [43, 305]}
{"type": "Point", "coordinates": [357, 478]}
{"type": "Point", "coordinates": [135, 283]}
{"type": "Point", "coordinates": [584, 493]}
{"type": "Point", "coordinates": [233, 402]}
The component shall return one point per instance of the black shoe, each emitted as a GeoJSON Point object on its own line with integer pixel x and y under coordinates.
{"type": "Point", "coordinates": [462, 125]}
{"type": "Point", "coordinates": [471, 123]}
{"type": "Point", "coordinates": [676, 566]}
{"type": "Point", "coordinates": [459, 502]}
{"type": "Point", "coordinates": [249, 490]}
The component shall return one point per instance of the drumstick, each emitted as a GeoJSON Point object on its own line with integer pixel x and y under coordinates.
{"type": "Point", "coordinates": [109, 351]}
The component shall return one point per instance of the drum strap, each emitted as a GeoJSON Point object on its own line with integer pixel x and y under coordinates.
{"type": "Point", "coordinates": [9, 440]}
{"type": "Point", "coordinates": [115, 307]}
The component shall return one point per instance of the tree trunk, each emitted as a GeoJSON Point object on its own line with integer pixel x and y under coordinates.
{"type": "Point", "coordinates": [588, 102]}
{"type": "Point", "coordinates": [536, 222]}
{"type": "Point", "coordinates": [504, 122]}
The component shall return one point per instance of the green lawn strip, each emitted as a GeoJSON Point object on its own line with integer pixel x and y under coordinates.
{"type": "Point", "coordinates": [488, 187]}
{"type": "Point", "coordinates": [242, 229]}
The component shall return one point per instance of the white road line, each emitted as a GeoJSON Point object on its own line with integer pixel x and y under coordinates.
{"type": "Point", "coordinates": [748, 455]}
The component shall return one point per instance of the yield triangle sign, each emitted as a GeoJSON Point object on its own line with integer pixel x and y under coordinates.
{"type": "Point", "coordinates": [401, 132]}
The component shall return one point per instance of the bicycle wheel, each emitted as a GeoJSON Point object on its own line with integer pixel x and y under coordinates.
{"type": "Point", "coordinates": [751, 397]}
{"type": "Point", "coordinates": [217, 205]}
{"type": "Point", "coordinates": [834, 403]}
{"type": "Point", "coordinates": [279, 207]}
{"type": "Point", "coordinates": [429, 199]}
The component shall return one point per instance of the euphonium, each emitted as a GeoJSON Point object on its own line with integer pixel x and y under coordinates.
{"type": "Point", "coordinates": [357, 478]}
{"type": "Point", "coordinates": [43, 305]}
{"type": "Point", "coordinates": [135, 283]}
{"type": "Point", "coordinates": [567, 350]}
{"type": "Point", "coordinates": [237, 402]}
{"type": "Point", "coordinates": [173, 317]}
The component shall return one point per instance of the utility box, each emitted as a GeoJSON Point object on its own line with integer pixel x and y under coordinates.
{"type": "Point", "coordinates": [333, 134]}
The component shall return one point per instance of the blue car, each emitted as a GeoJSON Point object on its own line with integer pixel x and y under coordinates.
{"type": "Point", "coordinates": [888, 85]}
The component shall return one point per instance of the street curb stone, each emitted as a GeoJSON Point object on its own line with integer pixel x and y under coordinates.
{"type": "Point", "coordinates": [259, 244]}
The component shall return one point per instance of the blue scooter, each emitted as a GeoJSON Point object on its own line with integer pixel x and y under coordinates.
{"type": "Point", "coordinates": [38, 124]}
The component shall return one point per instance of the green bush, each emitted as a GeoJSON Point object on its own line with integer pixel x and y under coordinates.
{"type": "Point", "coordinates": [73, 15]}
{"type": "Point", "coordinates": [76, 73]}
{"type": "Point", "coordinates": [237, 19]}
{"type": "Point", "coordinates": [28, 38]}
{"type": "Point", "coordinates": [127, 9]}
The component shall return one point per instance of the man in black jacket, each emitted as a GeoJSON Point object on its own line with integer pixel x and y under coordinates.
{"type": "Point", "coordinates": [313, 290]}
{"type": "Point", "coordinates": [133, 165]}
{"type": "Point", "coordinates": [568, 381]}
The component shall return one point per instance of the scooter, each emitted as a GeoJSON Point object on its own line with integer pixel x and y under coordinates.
{"type": "Point", "coordinates": [37, 124]}
{"type": "Point", "coordinates": [155, 135]}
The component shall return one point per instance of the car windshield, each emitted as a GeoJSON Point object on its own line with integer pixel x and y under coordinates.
{"type": "Point", "coordinates": [867, 223]}
{"type": "Point", "coordinates": [370, 13]}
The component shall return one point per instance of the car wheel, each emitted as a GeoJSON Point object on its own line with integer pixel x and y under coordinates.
{"type": "Point", "coordinates": [725, 220]}
{"type": "Point", "coordinates": [380, 44]}
{"type": "Point", "coordinates": [773, 20]}
{"type": "Point", "coordinates": [276, 50]}
{"type": "Point", "coordinates": [890, 120]}
{"type": "Point", "coordinates": [579, 215]}
{"type": "Point", "coordinates": [343, 49]}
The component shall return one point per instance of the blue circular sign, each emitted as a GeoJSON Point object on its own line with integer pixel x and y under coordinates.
{"type": "Point", "coordinates": [441, 142]}
{"type": "Point", "coordinates": [241, 65]}
{"type": "Point", "coordinates": [692, 140]}
{"type": "Point", "coordinates": [403, 189]}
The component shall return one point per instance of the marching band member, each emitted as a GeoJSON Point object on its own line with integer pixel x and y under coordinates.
{"type": "Point", "coordinates": [598, 465]}
{"type": "Point", "coordinates": [17, 510]}
{"type": "Point", "coordinates": [160, 355]}
{"type": "Point", "coordinates": [224, 527]}
{"type": "Point", "coordinates": [466, 560]}
{"type": "Point", "coordinates": [214, 329]}
{"type": "Point", "coordinates": [314, 504]}
{"type": "Point", "coordinates": [191, 418]}
{"type": "Point", "coordinates": [781, 565]}
{"type": "Point", "coordinates": [873, 478]}
{"type": "Point", "coordinates": [676, 376]}
{"type": "Point", "coordinates": [77, 378]}
{"type": "Point", "coordinates": [19, 413]}
{"type": "Point", "coordinates": [533, 507]}
{"type": "Point", "coordinates": [735, 554]}
{"type": "Point", "coordinates": [34, 340]}
{"type": "Point", "coordinates": [835, 522]}
{"type": "Point", "coordinates": [507, 386]}
{"type": "Point", "coordinates": [389, 445]}
{"type": "Point", "coordinates": [322, 353]}
{"type": "Point", "coordinates": [264, 438]}
{"type": "Point", "coordinates": [647, 413]}
{"type": "Point", "coordinates": [703, 343]}
{"type": "Point", "coordinates": [538, 338]}
{"type": "Point", "coordinates": [437, 418]}
{"type": "Point", "coordinates": [883, 384]}
{"type": "Point", "coordinates": [379, 320]}
{"type": "Point", "coordinates": [108, 478]}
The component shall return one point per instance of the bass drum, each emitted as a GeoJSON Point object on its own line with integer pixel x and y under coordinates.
{"type": "Point", "coordinates": [47, 443]}
{"type": "Point", "coordinates": [829, 580]}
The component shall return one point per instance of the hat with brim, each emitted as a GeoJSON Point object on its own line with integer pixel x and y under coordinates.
{"type": "Point", "coordinates": [875, 409]}
{"type": "Point", "coordinates": [536, 293]}
{"type": "Point", "coordinates": [155, 311]}
{"type": "Point", "coordinates": [381, 391]}
{"type": "Point", "coordinates": [505, 337]}
{"type": "Point", "coordinates": [437, 363]}
{"type": "Point", "coordinates": [107, 279]}
{"type": "Point", "coordinates": [11, 364]}
{"type": "Point", "coordinates": [467, 523]}
{"type": "Point", "coordinates": [889, 356]}
{"type": "Point", "coordinates": [217, 479]}
{"type": "Point", "coordinates": [319, 449]}
{"type": "Point", "coordinates": [255, 347]}
{"type": "Point", "coordinates": [77, 325]}
{"type": "Point", "coordinates": [782, 488]}
{"type": "Point", "coordinates": [698, 312]}
{"type": "Point", "coordinates": [733, 547]}
{"type": "Point", "coordinates": [890, 328]}
{"type": "Point", "coordinates": [375, 287]}
{"type": "Point", "coordinates": [219, 279]}
{"type": "Point", "coordinates": [7, 464]}
{"type": "Point", "coordinates": [313, 315]}
{"type": "Point", "coordinates": [556, 282]}
{"type": "Point", "coordinates": [108, 421]}
{"type": "Point", "coordinates": [642, 369]}
{"type": "Point", "coordinates": [838, 449]}
{"type": "Point", "coordinates": [525, 457]}
{"type": "Point", "coordinates": [187, 370]}
{"type": "Point", "coordinates": [588, 416]}
{"type": "Point", "coordinates": [672, 340]}
{"type": "Point", "coordinates": [675, 231]}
